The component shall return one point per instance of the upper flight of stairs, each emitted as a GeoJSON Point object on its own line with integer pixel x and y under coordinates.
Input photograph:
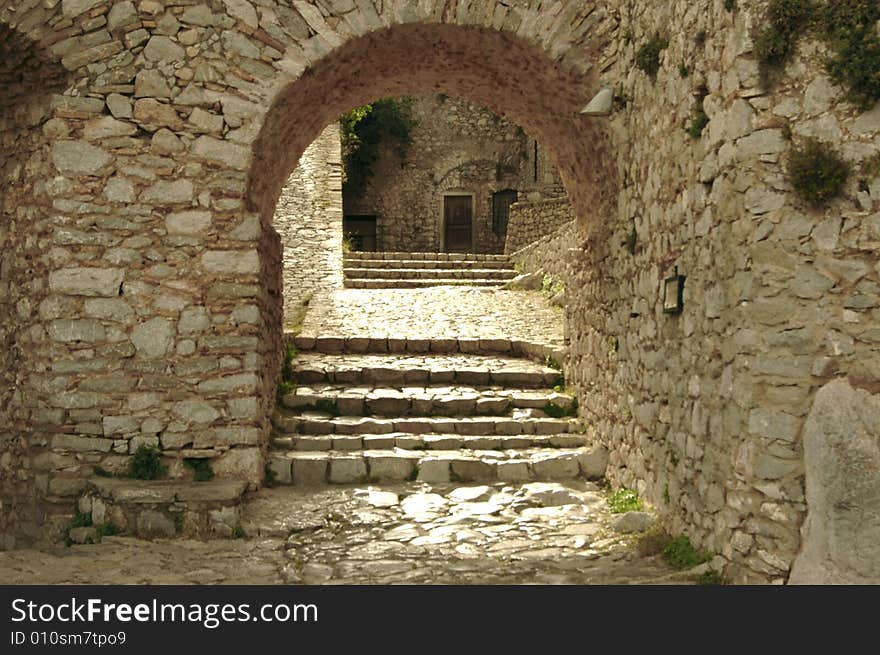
{"type": "Point", "coordinates": [413, 270]}
{"type": "Point", "coordinates": [358, 418]}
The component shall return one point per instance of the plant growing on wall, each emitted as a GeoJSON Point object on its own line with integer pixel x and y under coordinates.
{"type": "Point", "coordinates": [817, 173]}
{"type": "Point", "coordinates": [849, 27]}
{"type": "Point", "coordinates": [648, 56]}
{"type": "Point", "coordinates": [364, 129]}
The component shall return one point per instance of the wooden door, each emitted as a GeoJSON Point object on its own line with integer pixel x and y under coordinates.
{"type": "Point", "coordinates": [458, 221]}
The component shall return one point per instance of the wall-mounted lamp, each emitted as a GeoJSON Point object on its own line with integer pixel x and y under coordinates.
{"type": "Point", "coordinates": [673, 294]}
{"type": "Point", "coordinates": [601, 104]}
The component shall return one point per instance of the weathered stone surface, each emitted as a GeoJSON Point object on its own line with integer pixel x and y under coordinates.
{"type": "Point", "coordinates": [633, 522]}
{"type": "Point", "coordinates": [189, 222]}
{"type": "Point", "coordinates": [86, 281]}
{"type": "Point", "coordinates": [153, 338]}
{"type": "Point", "coordinates": [841, 535]}
{"type": "Point", "coordinates": [79, 158]}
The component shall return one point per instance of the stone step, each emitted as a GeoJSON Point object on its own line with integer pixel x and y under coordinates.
{"type": "Point", "coordinates": [411, 370]}
{"type": "Point", "coordinates": [385, 283]}
{"type": "Point", "coordinates": [391, 264]}
{"type": "Point", "coordinates": [335, 345]}
{"type": "Point", "coordinates": [359, 442]}
{"type": "Point", "coordinates": [422, 256]}
{"type": "Point", "coordinates": [164, 508]}
{"type": "Point", "coordinates": [320, 423]}
{"type": "Point", "coordinates": [428, 401]}
{"type": "Point", "coordinates": [395, 465]}
{"type": "Point", "coordinates": [428, 274]}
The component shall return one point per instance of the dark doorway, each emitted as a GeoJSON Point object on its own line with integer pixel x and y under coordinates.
{"type": "Point", "coordinates": [501, 202]}
{"type": "Point", "coordinates": [458, 223]}
{"type": "Point", "coordinates": [360, 232]}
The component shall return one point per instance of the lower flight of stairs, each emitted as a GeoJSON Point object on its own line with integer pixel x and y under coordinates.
{"type": "Point", "coordinates": [357, 418]}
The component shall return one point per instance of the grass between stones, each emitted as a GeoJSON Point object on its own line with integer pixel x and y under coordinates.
{"type": "Point", "coordinates": [625, 500]}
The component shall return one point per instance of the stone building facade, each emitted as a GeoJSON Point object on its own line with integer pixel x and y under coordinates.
{"type": "Point", "coordinates": [143, 137]}
{"type": "Point", "coordinates": [459, 149]}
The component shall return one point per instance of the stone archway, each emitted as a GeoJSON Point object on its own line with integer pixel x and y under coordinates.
{"type": "Point", "coordinates": [501, 71]}
{"type": "Point", "coordinates": [155, 314]}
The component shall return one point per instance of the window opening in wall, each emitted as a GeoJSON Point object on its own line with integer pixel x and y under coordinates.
{"type": "Point", "coordinates": [501, 202]}
{"type": "Point", "coordinates": [360, 233]}
{"type": "Point", "coordinates": [536, 162]}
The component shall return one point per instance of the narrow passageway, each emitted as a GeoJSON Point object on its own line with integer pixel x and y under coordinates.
{"type": "Point", "coordinates": [451, 472]}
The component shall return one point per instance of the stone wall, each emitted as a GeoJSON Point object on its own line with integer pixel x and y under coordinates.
{"type": "Point", "coordinates": [549, 253]}
{"type": "Point", "coordinates": [308, 219]}
{"type": "Point", "coordinates": [529, 221]}
{"type": "Point", "coordinates": [146, 273]}
{"type": "Point", "coordinates": [704, 412]}
{"type": "Point", "coordinates": [458, 148]}
{"type": "Point", "coordinates": [27, 80]}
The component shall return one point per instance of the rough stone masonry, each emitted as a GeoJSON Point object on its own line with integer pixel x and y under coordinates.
{"type": "Point", "coordinates": [146, 144]}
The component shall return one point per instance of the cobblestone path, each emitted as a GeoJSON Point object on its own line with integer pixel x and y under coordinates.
{"type": "Point", "coordinates": [436, 312]}
{"type": "Point", "coordinates": [537, 533]}
{"type": "Point", "coordinates": [465, 468]}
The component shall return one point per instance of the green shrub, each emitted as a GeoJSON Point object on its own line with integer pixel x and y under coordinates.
{"type": "Point", "coordinates": [553, 410]}
{"type": "Point", "coordinates": [202, 471]}
{"type": "Point", "coordinates": [871, 166]}
{"type": "Point", "coordinates": [238, 532]}
{"type": "Point", "coordinates": [146, 463]}
{"type": "Point", "coordinates": [817, 173]}
{"type": "Point", "coordinates": [81, 520]}
{"type": "Point", "coordinates": [849, 27]}
{"type": "Point", "coordinates": [365, 129]}
{"type": "Point", "coordinates": [648, 56]}
{"type": "Point", "coordinates": [552, 362]}
{"type": "Point", "coordinates": [101, 472]}
{"type": "Point", "coordinates": [729, 5]}
{"type": "Point", "coordinates": [290, 353]}
{"type": "Point", "coordinates": [699, 121]}
{"type": "Point", "coordinates": [107, 529]}
{"type": "Point", "coordinates": [709, 577]}
{"type": "Point", "coordinates": [624, 500]}
{"type": "Point", "coordinates": [784, 23]}
{"type": "Point", "coordinates": [681, 554]}
{"type": "Point", "coordinates": [327, 405]}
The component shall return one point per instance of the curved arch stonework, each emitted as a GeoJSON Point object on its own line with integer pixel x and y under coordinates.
{"type": "Point", "coordinates": [150, 142]}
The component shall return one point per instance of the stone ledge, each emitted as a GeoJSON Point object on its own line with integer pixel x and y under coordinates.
{"type": "Point", "coordinates": [165, 508]}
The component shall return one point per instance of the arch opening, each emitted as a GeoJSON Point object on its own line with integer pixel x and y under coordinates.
{"type": "Point", "coordinates": [488, 67]}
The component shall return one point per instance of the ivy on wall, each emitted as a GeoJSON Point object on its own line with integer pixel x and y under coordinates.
{"type": "Point", "coordinates": [364, 129]}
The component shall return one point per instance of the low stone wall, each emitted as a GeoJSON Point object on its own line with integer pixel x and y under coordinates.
{"type": "Point", "coordinates": [548, 253]}
{"type": "Point", "coordinates": [308, 220]}
{"type": "Point", "coordinates": [529, 221]}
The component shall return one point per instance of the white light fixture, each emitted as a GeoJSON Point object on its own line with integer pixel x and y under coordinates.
{"type": "Point", "coordinates": [601, 104]}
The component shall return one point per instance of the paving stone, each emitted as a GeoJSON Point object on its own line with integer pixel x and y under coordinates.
{"type": "Point", "coordinates": [391, 466]}
{"type": "Point", "coordinates": [434, 469]}
{"type": "Point", "coordinates": [556, 467]}
{"type": "Point", "coordinates": [472, 470]}
{"type": "Point", "coordinates": [347, 469]}
{"type": "Point", "coordinates": [309, 469]}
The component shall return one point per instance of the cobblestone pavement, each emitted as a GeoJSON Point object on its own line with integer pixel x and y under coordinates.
{"type": "Point", "coordinates": [435, 313]}
{"type": "Point", "coordinates": [411, 533]}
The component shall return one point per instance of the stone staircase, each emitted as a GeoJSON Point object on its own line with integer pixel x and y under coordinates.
{"type": "Point", "coordinates": [414, 270]}
{"type": "Point", "coordinates": [356, 418]}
